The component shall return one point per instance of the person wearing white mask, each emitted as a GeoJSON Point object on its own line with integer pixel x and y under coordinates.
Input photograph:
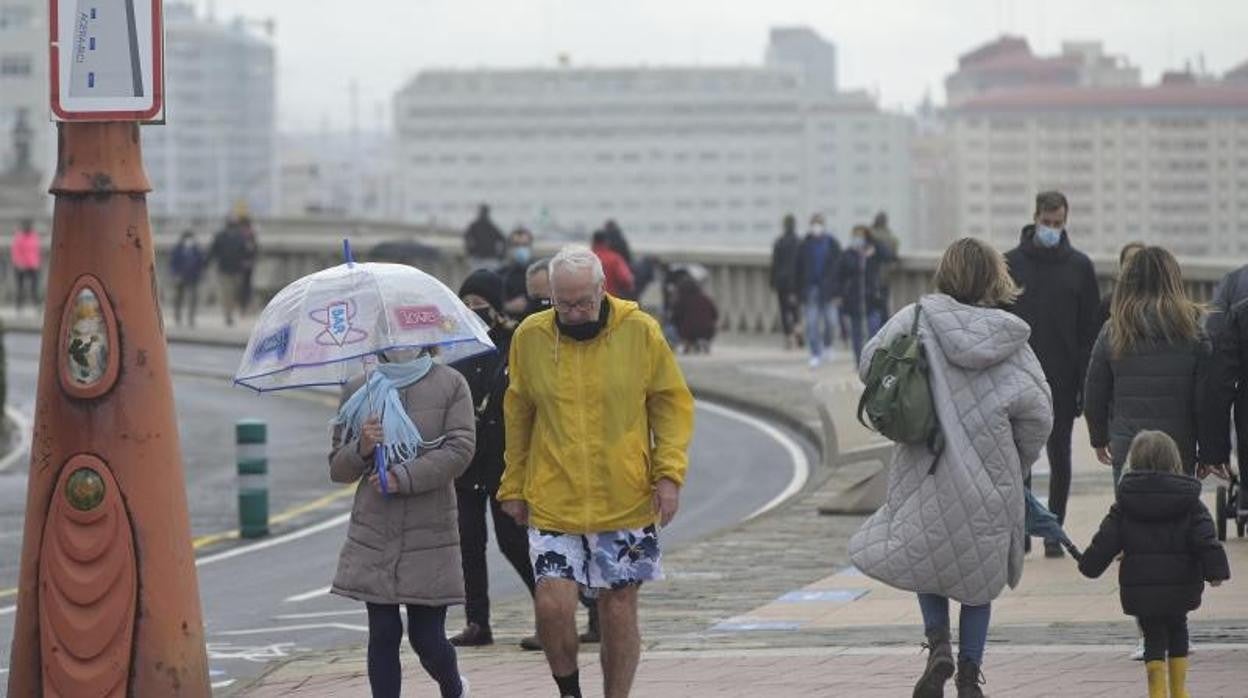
{"type": "Point", "coordinates": [1061, 302]}
{"type": "Point", "coordinates": [819, 288]}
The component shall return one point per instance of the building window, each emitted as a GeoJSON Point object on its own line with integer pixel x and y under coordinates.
{"type": "Point", "coordinates": [15, 65]}
{"type": "Point", "coordinates": [15, 16]}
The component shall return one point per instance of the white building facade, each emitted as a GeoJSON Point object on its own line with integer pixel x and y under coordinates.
{"type": "Point", "coordinates": [713, 155]}
{"type": "Point", "coordinates": [1166, 165]}
{"type": "Point", "coordinates": [218, 147]}
{"type": "Point", "coordinates": [24, 91]}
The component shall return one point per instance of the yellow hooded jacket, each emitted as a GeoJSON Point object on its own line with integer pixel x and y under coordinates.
{"type": "Point", "coordinates": [593, 425]}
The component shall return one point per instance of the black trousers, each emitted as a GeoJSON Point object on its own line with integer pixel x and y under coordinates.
{"type": "Point", "coordinates": [1059, 462]}
{"type": "Point", "coordinates": [1164, 636]}
{"type": "Point", "coordinates": [426, 630]}
{"type": "Point", "coordinates": [27, 282]}
{"type": "Point", "coordinates": [513, 541]}
{"type": "Point", "coordinates": [187, 295]}
{"type": "Point", "coordinates": [790, 310]}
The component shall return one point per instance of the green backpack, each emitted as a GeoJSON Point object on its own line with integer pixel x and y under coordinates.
{"type": "Point", "coordinates": [897, 401]}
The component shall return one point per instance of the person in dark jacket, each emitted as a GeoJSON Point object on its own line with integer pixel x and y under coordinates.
{"type": "Point", "coordinates": [187, 265]}
{"type": "Point", "coordinates": [1123, 255]}
{"type": "Point", "coordinates": [513, 272]}
{"type": "Point", "coordinates": [230, 251]}
{"type": "Point", "coordinates": [695, 316]}
{"type": "Point", "coordinates": [1169, 550]}
{"type": "Point", "coordinates": [1227, 397]}
{"type": "Point", "coordinates": [818, 288]}
{"type": "Point", "coordinates": [1061, 302]}
{"type": "Point", "coordinates": [475, 490]}
{"type": "Point", "coordinates": [1151, 363]}
{"type": "Point", "coordinates": [1231, 291]}
{"type": "Point", "coordinates": [859, 277]}
{"type": "Point", "coordinates": [483, 241]}
{"type": "Point", "coordinates": [784, 279]}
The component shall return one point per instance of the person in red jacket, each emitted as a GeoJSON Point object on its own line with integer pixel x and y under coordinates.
{"type": "Point", "coordinates": [619, 281]}
{"type": "Point", "coordinates": [25, 252]}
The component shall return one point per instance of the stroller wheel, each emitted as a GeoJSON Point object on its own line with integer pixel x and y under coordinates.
{"type": "Point", "coordinates": [1220, 513]}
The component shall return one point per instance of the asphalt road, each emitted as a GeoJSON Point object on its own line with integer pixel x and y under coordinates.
{"type": "Point", "coordinates": [265, 601]}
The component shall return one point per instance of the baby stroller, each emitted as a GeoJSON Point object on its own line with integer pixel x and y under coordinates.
{"type": "Point", "coordinates": [1227, 506]}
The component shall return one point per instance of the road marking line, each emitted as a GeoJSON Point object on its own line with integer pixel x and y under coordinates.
{"type": "Point", "coordinates": [224, 684]}
{"type": "Point", "coordinates": [23, 439]}
{"type": "Point", "coordinates": [293, 628]}
{"type": "Point", "coordinates": [266, 544]}
{"type": "Point", "coordinates": [319, 503]}
{"type": "Point", "coordinates": [323, 591]}
{"type": "Point", "coordinates": [6, 593]}
{"type": "Point", "coordinates": [319, 614]}
{"type": "Point", "coordinates": [7, 610]}
{"type": "Point", "coordinates": [801, 464]}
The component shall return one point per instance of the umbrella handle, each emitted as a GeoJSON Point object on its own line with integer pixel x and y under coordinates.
{"type": "Point", "coordinates": [379, 460]}
{"type": "Point", "coordinates": [346, 252]}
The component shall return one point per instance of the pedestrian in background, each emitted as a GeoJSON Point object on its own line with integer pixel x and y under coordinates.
{"type": "Point", "coordinates": [954, 528]}
{"type": "Point", "coordinates": [26, 256]}
{"type": "Point", "coordinates": [537, 287]}
{"type": "Point", "coordinates": [859, 279]}
{"type": "Point", "coordinates": [475, 490]}
{"type": "Point", "coordinates": [818, 260]}
{"type": "Point", "coordinates": [599, 421]}
{"type": "Point", "coordinates": [784, 261]}
{"type": "Point", "coordinates": [1124, 254]}
{"type": "Point", "coordinates": [1227, 398]}
{"type": "Point", "coordinates": [885, 241]}
{"type": "Point", "coordinates": [229, 250]}
{"type": "Point", "coordinates": [251, 254]}
{"type": "Point", "coordinates": [483, 241]}
{"type": "Point", "coordinates": [402, 546]}
{"type": "Point", "coordinates": [1151, 363]}
{"type": "Point", "coordinates": [514, 271]}
{"type": "Point", "coordinates": [619, 275]}
{"type": "Point", "coordinates": [1061, 303]}
{"type": "Point", "coordinates": [187, 265]}
{"type": "Point", "coordinates": [695, 316]}
{"type": "Point", "coordinates": [1169, 549]}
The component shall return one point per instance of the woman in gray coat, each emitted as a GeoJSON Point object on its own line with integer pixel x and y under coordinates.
{"type": "Point", "coordinates": [403, 546]}
{"type": "Point", "coordinates": [956, 530]}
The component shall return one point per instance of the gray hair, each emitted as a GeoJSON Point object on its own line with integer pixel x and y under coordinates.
{"type": "Point", "coordinates": [541, 265]}
{"type": "Point", "coordinates": [577, 258]}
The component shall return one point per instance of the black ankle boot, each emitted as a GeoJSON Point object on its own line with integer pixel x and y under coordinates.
{"type": "Point", "coordinates": [939, 666]}
{"type": "Point", "coordinates": [969, 680]}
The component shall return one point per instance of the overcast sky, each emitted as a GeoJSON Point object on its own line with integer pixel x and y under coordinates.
{"type": "Point", "coordinates": [897, 48]}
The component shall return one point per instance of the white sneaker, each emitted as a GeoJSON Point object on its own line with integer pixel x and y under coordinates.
{"type": "Point", "coordinates": [463, 682]}
{"type": "Point", "coordinates": [1138, 654]}
{"type": "Point", "coordinates": [815, 361]}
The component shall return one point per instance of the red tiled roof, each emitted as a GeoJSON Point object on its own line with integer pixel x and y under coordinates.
{"type": "Point", "coordinates": [1111, 98]}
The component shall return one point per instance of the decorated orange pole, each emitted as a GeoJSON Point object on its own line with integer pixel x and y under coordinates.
{"type": "Point", "coordinates": [108, 600]}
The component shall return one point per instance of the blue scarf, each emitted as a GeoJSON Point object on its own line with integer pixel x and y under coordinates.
{"type": "Point", "coordinates": [381, 394]}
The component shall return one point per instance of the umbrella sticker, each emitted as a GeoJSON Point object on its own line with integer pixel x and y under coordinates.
{"type": "Point", "coordinates": [415, 317]}
{"type": "Point", "coordinates": [275, 344]}
{"type": "Point", "coordinates": [337, 319]}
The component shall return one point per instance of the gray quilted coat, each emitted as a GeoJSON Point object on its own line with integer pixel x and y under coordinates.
{"type": "Point", "coordinates": [958, 532]}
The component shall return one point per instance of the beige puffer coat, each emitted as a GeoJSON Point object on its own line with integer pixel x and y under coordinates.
{"type": "Point", "coordinates": [404, 549]}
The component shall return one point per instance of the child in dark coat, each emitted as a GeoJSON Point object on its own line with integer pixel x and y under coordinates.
{"type": "Point", "coordinates": [1169, 550]}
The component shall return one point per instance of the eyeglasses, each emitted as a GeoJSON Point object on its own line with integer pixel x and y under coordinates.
{"type": "Point", "coordinates": [584, 305]}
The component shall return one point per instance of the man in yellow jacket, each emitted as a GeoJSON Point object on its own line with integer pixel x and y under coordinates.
{"type": "Point", "coordinates": [598, 426]}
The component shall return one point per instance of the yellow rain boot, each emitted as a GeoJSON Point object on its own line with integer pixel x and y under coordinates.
{"type": "Point", "coordinates": [1178, 677]}
{"type": "Point", "coordinates": [1156, 678]}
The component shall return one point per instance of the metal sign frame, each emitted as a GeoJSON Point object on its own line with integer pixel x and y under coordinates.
{"type": "Point", "coordinates": [72, 47]}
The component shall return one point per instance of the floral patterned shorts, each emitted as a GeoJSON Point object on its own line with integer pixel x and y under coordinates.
{"type": "Point", "coordinates": [611, 560]}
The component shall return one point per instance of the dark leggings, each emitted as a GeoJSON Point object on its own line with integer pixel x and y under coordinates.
{"type": "Point", "coordinates": [426, 628]}
{"type": "Point", "coordinates": [1164, 636]}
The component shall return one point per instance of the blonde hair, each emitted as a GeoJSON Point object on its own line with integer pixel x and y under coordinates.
{"type": "Point", "coordinates": [1150, 303]}
{"type": "Point", "coordinates": [975, 273]}
{"type": "Point", "coordinates": [1154, 451]}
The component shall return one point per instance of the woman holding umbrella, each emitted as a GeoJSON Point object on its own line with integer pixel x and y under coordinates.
{"type": "Point", "coordinates": [403, 541]}
{"type": "Point", "coordinates": [954, 528]}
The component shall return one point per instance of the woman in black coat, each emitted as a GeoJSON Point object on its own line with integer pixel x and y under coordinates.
{"type": "Point", "coordinates": [1169, 550]}
{"type": "Point", "coordinates": [1150, 364]}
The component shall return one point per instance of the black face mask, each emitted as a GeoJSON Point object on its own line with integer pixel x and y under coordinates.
{"type": "Point", "coordinates": [486, 315]}
{"type": "Point", "coordinates": [587, 330]}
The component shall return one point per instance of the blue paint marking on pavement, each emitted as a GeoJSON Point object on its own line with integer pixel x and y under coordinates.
{"type": "Point", "coordinates": [748, 626]}
{"type": "Point", "coordinates": [90, 79]}
{"type": "Point", "coordinates": [815, 596]}
{"type": "Point", "coordinates": [91, 43]}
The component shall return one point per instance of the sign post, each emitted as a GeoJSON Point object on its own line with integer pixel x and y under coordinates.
{"type": "Point", "coordinates": [108, 600]}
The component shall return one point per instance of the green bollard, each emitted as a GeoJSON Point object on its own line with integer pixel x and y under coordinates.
{"type": "Point", "coordinates": [253, 478]}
